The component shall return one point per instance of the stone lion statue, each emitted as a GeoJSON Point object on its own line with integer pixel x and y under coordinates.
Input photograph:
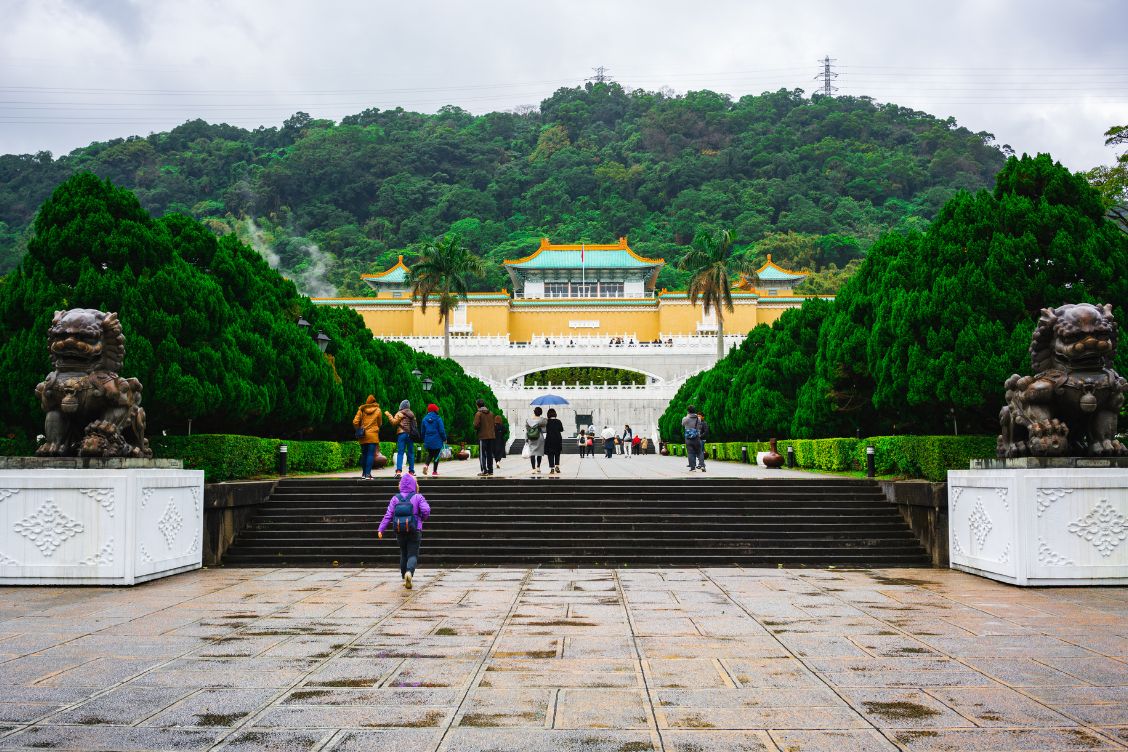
{"type": "Point", "coordinates": [1070, 406]}
{"type": "Point", "coordinates": [91, 411]}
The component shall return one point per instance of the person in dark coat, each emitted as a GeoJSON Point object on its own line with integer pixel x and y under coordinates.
{"type": "Point", "coordinates": [501, 436]}
{"type": "Point", "coordinates": [484, 426]}
{"type": "Point", "coordinates": [553, 442]}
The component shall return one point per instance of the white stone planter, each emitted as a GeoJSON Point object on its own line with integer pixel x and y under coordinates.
{"type": "Point", "coordinates": [1059, 526]}
{"type": "Point", "coordinates": [99, 527]}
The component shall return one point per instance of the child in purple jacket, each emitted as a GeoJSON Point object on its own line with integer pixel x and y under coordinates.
{"type": "Point", "coordinates": [408, 542]}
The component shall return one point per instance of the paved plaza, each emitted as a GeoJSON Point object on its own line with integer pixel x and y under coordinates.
{"type": "Point", "coordinates": [555, 660]}
{"type": "Point", "coordinates": [573, 467]}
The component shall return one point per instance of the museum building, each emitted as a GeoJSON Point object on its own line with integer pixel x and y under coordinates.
{"type": "Point", "coordinates": [575, 291]}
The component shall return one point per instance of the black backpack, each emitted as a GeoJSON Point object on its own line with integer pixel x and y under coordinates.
{"type": "Point", "coordinates": [403, 515]}
{"type": "Point", "coordinates": [413, 430]}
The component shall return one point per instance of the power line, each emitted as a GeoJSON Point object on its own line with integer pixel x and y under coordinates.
{"type": "Point", "coordinates": [827, 75]}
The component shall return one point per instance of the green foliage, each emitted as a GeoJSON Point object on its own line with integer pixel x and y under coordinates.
{"type": "Point", "coordinates": [595, 162]}
{"type": "Point", "coordinates": [585, 375]}
{"type": "Point", "coordinates": [928, 457]}
{"type": "Point", "coordinates": [209, 327]}
{"type": "Point", "coordinates": [932, 323]}
{"type": "Point", "coordinates": [16, 446]}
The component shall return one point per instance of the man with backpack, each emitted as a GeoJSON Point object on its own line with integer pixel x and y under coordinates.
{"type": "Point", "coordinates": [694, 429]}
{"type": "Point", "coordinates": [406, 512]}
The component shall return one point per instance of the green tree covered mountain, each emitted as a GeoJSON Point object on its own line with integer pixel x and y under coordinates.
{"type": "Point", "coordinates": [812, 180]}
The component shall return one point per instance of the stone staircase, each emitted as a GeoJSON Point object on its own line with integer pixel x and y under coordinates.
{"type": "Point", "coordinates": [698, 521]}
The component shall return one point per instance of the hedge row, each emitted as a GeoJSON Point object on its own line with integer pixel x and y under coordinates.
{"type": "Point", "coordinates": [231, 457]}
{"type": "Point", "coordinates": [929, 457]}
{"type": "Point", "coordinates": [16, 446]}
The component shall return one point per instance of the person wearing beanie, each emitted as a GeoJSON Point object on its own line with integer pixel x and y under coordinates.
{"type": "Point", "coordinates": [367, 425]}
{"type": "Point", "coordinates": [434, 438]}
{"type": "Point", "coordinates": [484, 425]}
{"type": "Point", "coordinates": [414, 511]}
{"type": "Point", "coordinates": [406, 424]}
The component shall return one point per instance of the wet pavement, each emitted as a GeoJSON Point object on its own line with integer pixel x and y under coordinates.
{"type": "Point", "coordinates": [554, 660]}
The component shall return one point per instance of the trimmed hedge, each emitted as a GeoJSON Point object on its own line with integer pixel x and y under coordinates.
{"type": "Point", "coordinates": [928, 457]}
{"type": "Point", "coordinates": [232, 457]}
{"type": "Point", "coordinates": [16, 446]}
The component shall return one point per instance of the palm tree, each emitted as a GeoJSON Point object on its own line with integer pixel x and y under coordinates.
{"type": "Point", "coordinates": [442, 270]}
{"type": "Point", "coordinates": [711, 261]}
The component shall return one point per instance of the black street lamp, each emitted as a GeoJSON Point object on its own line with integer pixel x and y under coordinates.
{"type": "Point", "coordinates": [427, 384]}
{"type": "Point", "coordinates": [303, 324]}
{"type": "Point", "coordinates": [417, 373]}
{"type": "Point", "coordinates": [322, 340]}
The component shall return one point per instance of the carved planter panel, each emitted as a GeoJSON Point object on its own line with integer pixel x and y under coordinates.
{"type": "Point", "coordinates": [91, 526]}
{"type": "Point", "coordinates": [1068, 526]}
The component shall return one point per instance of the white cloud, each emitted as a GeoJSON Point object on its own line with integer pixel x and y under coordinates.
{"type": "Point", "coordinates": [1042, 76]}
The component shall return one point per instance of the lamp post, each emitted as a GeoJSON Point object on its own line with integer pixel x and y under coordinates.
{"type": "Point", "coordinates": [427, 384]}
{"type": "Point", "coordinates": [322, 340]}
{"type": "Point", "coordinates": [417, 373]}
{"type": "Point", "coordinates": [955, 425]}
{"type": "Point", "coordinates": [303, 324]}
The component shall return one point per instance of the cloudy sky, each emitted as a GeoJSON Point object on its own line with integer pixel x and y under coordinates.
{"type": "Point", "coordinates": [1042, 75]}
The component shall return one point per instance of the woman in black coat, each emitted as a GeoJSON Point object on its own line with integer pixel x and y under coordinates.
{"type": "Point", "coordinates": [501, 436]}
{"type": "Point", "coordinates": [553, 442]}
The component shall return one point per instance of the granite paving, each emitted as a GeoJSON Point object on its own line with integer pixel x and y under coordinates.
{"type": "Point", "coordinates": [555, 660]}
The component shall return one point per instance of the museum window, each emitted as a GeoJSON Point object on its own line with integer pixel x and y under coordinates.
{"type": "Point", "coordinates": [556, 289]}
{"type": "Point", "coordinates": [610, 289]}
{"type": "Point", "coordinates": [585, 289]}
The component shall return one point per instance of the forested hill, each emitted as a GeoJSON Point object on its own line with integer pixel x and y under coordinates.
{"type": "Point", "coordinates": [813, 181]}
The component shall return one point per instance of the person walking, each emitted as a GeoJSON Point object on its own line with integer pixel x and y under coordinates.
{"type": "Point", "coordinates": [484, 426]}
{"type": "Point", "coordinates": [627, 438]}
{"type": "Point", "coordinates": [407, 510]}
{"type": "Point", "coordinates": [434, 438]}
{"type": "Point", "coordinates": [501, 435]}
{"type": "Point", "coordinates": [534, 439]}
{"type": "Point", "coordinates": [608, 437]}
{"type": "Point", "coordinates": [367, 425]}
{"type": "Point", "coordinates": [553, 442]}
{"type": "Point", "coordinates": [405, 422]}
{"type": "Point", "coordinates": [590, 443]}
{"type": "Point", "coordinates": [693, 427]}
{"type": "Point", "coordinates": [581, 442]}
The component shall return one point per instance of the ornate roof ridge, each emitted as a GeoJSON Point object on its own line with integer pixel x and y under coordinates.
{"type": "Point", "coordinates": [545, 245]}
{"type": "Point", "coordinates": [398, 265]}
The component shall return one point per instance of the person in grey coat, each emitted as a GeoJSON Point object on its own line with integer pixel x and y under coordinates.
{"type": "Point", "coordinates": [534, 438]}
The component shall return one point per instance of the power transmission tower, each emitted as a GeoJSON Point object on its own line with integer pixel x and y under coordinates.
{"type": "Point", "coordinates": [602, 75]}
{"type": "Point", "coordinates": [827, 75]}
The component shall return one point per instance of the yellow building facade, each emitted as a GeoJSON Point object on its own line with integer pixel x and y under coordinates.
{"type": "Point", "coordinates": [575, 291]}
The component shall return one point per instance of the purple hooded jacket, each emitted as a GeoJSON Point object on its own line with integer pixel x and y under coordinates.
{"type": "Point", "coordinates": [408, 488]}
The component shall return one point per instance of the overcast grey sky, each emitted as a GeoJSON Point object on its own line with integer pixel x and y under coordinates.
{"type": "Point", "coordinates": [1042, 75]}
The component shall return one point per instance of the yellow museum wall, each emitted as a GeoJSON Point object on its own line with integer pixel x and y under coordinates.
{"type": "Point", "coordinates": [488, 320]}
{"type": "Point", "coordinates": [388, 322]}
{"type": "Point", "coordinates": [524, 324]}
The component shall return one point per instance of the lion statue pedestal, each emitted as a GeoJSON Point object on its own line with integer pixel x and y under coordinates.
{"type": "Point", "coordinates": [1053, 509]}
{"type": "Point", "coordinates": [94, 508]}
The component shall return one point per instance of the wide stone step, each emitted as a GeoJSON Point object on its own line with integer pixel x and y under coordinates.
{"type": "Point", "coordinates": [625, 522]}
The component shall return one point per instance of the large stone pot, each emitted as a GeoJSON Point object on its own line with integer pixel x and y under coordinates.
{"type": "Point", "coordinates": [379, 462]}
{"type": "Point", "coordinates": [463, 453]}
{"type": "Point", "coordinates": [773, 459]}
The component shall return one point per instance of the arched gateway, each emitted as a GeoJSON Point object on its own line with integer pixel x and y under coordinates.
{"type": "Point", "coordinates": [578, 305]}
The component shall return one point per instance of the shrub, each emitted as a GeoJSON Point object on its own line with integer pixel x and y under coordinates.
{"type": "Point", "coordinates": [230, 457]}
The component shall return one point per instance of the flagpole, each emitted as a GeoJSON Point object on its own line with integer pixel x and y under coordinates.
{"type": "Point", "coordinates": [583, 270]}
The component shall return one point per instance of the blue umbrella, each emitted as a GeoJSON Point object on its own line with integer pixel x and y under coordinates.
{"type": "Point", "coordinates": [549, 399]}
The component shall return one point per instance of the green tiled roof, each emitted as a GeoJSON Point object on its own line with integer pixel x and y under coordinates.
{"type": "Point", "coordinates": [397, 276]}
{"type": "Point", "coordinates": [361, 301]}
{"type": "Point", "coordinates": [773, 273]}
{"type": "Point", "coordinates": [616, 259]}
